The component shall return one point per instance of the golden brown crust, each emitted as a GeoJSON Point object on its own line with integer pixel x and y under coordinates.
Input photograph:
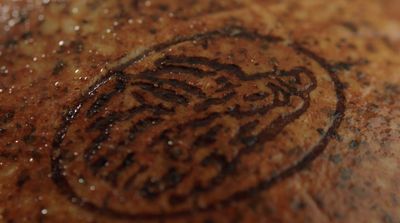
{"type": "Point", "coordinates": [199, 111]}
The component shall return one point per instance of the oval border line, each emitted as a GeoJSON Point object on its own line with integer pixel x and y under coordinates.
{"type": "Point", "coordinates": [67, 190]}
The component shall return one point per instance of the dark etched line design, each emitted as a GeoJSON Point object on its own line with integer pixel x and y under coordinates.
{"type": "Point", "coordinates": [178, 132]}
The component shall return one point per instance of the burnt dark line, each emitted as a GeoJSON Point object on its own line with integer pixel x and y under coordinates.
{"type": "Point", "coordinates": [207, 138]}
{"type": "Point", "coordinates": [188, 88]}
{"type": "Point", "coordinates": [98, 164]}
{"type": "Point", "coordinates": [226, 87]}
{"type": "Point", "coordinates": [163, 93]}
{"type": "Point", "coordinates": [295, 72]}
{"type": "Point", "coordinates": [128, 183]}
{"type": "Point", "coordinates": [278, 124]}
{"type": "Point", "coordinates": [142, 125]}
{"type": "Point", "coordinates": [203, 121]}
{"type": "Point", "coordinates": [239, 114]}
{"type": "Point", "coordinates": [226, 168]}
{"type": "Point", "coordinates": [309, 157]}
{"type": "Point", "coordinates": [152, 189]}
{"type": "Point", "coordinates": [103, 124]}
{"type": "Point", "coordinates": [192, 89]}
{"type": "Point", "coordinates": [224, 32]}
{"type": "Point", "coordinates": [231, 31]}
{"type": "Point", "coordinates": [259, 96]}
{"type": "Point", "coordinates": [277, 89]}
{"type": "Point", "coordinates": [95, 146]}
{"type": "Point", "coordinates": [99, 103]}
{"type": "Point", "coordinates": [66, 189]}
{"type": "Point", "coordinates": [139, 97]}
{"type": "Point", "coordinates": [251, 143]}
{"type": "Point", "coordinates": [62, 130]}
{"type": "Point", "coordinates": [128, 161]}
{"type": "Point", "coordinates": [178, 69]}
{"type": "Point", "coordinates": [104, 98]}
{"type": "Point", "coordinates": [7, 117]}
{"type": "Point", "coordinates": [71, 113]}
{"type": "Point", "coordinates": [217, 66]}
{"type": "Point", "coordinates": [213, 101]}
{"type": "Point", "coordinates": [8, 155]}
{"type": "Point", "coordinates": [317, 150]}
{"type": "Point", "coordinates": [244, 132]}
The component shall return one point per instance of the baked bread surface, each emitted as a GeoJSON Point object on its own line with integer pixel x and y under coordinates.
{"type": "Point", "coordinates": [199, 111]}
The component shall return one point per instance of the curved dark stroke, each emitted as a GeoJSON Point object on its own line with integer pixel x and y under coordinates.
{"type": "Point", "coordinates": [150, 81]}
{"type": "Point", "coordinates": [66, 189]}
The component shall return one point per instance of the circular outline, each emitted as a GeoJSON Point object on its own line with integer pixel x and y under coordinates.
{"type": "Point", "coordinates": [65, 188]}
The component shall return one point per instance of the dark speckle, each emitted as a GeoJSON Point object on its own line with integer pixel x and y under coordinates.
{"type": "Point", "coordinates": [350, 26]}
{"type": "Point", "coordinates": [320, 131]}
{"type": "Point", "coordinates": [60, 65]}
{"type": "Point", "coordinates": [163, 7]}
{"type": "Point", "coordinates": [335, 158]}
{"type": "Point", "coordinates": [28, 139]}
{"type": "Point", "coordinates": [340, 66]}
{"type": "Point", "coordinates": [2, 131]}
{"type": "Point", "coordinates": [26, 35]}
{"type": "Point", "coordinates": [336, 136]}
{"type": "Point", "coordinates": [298, 205]}
{"type": "Point", "coordinates": [153, 31]}
{"type": "Point", "coordinates": [172, 178]}
{"type": "Point", "coordinates": [354, 144]}
{"type": "Point", "coordinates": [10, 43]}
{"type": "Point", "coordinates": [7, 117]}
{"type": "Point", "coordinates": [22, 179]}
{"type": "Point", "coordinates": [345, 173]}
{"type": "Point", "coordinates": [387, 218]}
{"type": "Point", "coordinates": [77, 46]}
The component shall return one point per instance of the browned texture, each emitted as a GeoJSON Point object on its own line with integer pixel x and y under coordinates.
{"type": "Point", "coordinates": [199, 111]}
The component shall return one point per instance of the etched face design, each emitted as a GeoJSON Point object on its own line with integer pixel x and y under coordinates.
{"type": "Point", "coordinates": [193, 124]}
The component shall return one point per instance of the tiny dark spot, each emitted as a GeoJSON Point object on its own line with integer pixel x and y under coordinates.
{"type": "Point", "coordinates": [172, 178]}
{"type": "Point", "coordinates": [153, 31]}
{"type": "Point", "coordinates": [60, 65]}
{"type": "Point", "coordinates": [387, 218]}
{"type": "Point", "coordinates": [354, 144]}
{"type": "Point", "coordinates": [336, 158]}
{"type": "Point", "coordinates": [345, 173]}
{"type": "Point", "coordinates": [150, 190]}
{"type": "Point", "coordinates": [298, 205]}
{"type": "Point", "coordinates": [77, 46]}
{"type": "Point", "coordinates": [2, 131]}
{"type": "Point", "coordinates": [350, 26]}
{"type": "Point", "coordinates": [26, 35]}
{"type": "Point", "coordinates": [22, 178]}
{"type": "Point", "coordinates": [28, 139]}
{"type": "Point", "coordinates": [321, 131]}
{"type": "Point", "coordinates": [98, 164]}
{"type": "Point", "coordinates": [174, 153]}
{"type": "Point", "coordinates": [7, 117]}
{"type": "Point", "coordinates": [22, 18]}
{"type": "Point", "coordinates": [265, 46]}
{"type": "Point", "coordinates": [336, 136]}
{"type": "Point", "coordinates": [163, 7]}
{"type": "Point", "coordinates": [340, 66]}
{"type": "Point", "coordinates": [10, 43]}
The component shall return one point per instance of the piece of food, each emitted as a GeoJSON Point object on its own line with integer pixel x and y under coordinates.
{"type": "Point", "coordinates": [199, 111]}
